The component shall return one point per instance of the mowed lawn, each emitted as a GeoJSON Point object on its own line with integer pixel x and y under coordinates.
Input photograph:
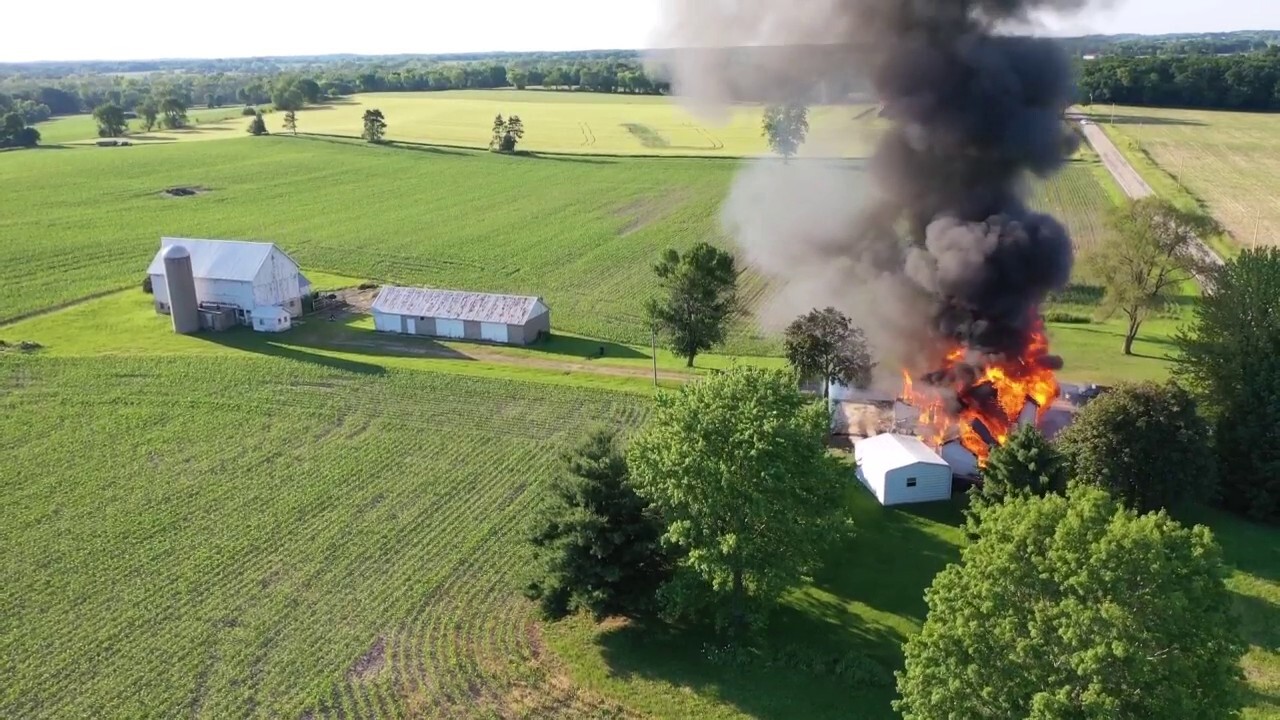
{"type": "Point", "coordinates": [1229, 161]}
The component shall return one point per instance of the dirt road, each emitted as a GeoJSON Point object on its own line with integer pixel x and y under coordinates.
{"type": "Point", "coordinates": [1128, 178]}
{"type": "Point", "coordinates": [1135, 187]}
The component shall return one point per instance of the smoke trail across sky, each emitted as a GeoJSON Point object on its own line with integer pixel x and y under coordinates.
{"type": "Point", "coordinates": [931, 243]}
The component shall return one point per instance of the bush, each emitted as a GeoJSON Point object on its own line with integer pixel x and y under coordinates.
{"type": "Point", "coordinates": [146, 285]}
{"type": "Point", "coordinates": [1068, 318]}
{"type": "Point", "coordinates": [1146, 444]}
{"type": "Point", "coordinates": [248, 111]}
{"type": "Point", "coordinates": [368, 286]}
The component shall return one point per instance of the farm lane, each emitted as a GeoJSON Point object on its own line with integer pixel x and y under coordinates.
{"type": "Point", "coordinates": [1135, 187]}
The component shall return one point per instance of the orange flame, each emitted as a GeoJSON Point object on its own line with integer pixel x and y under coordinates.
{"type": "Point", "coordinates": [1011, 384]}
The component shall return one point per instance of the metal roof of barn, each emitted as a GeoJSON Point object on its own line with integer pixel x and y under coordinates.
{"type": "Point", "coordinates": [458, 305]}
{"type": "Point", "coordinates": [218, 259]}
{"type": "Point", "coordinates": [887, 451]}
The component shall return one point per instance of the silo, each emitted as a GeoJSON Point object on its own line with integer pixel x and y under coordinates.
{"type": "Point", "coordinates": [178, 278]}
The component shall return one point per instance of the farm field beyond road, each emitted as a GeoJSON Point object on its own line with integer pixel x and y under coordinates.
{"type": "Point", "coordinates": [1230, 161]}
{"type": "Point", "coordinates": [577, 122]}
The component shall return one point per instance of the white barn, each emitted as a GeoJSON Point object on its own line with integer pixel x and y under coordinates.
{"type": "Point", "coordinates": [901, 469]}
{"type": "Point", "coordinates": [508, 319]}
{"type": "Point", "coordinates": [249, 277]}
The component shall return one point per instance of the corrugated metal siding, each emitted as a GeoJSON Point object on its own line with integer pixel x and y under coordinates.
{"type": "Point", "coordinates": [933, 483]}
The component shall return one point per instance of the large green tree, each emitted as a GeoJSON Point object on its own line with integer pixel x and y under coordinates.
{"type": "Point", "coordinates": [14, 132]}
{"type": "Point", "coordinates": [287, 98]}
{"type": "Point", "coordinates": [1072, 607]}
{"type": "Point", "coordinates": [309, 89]}
{"type": "Point", "coordinates": [173, 111]}
{"type": "Point", "coordinates": [700, 290]}
{"type": "Point", "coordinates": [1145, 443]}
{"type": "Point", "coordinates": [596, 543]}
{"type": "Point", "coordinates": [1026, 464]}
{"type": "Point", "coordinates": [785, 127]}
{"type": "Point", "coordinates": [1230, 358]}
{"type": "Point", "coordinates": [737, 466]}
{"type": "Point", "coordinates": [825, 344]}
{"type": "Point", "coordinates": [1153, 250]}
{"type": "Point", "coordinates": [148, 114]}
{"type": "Point", "coordinates": [375, 126]}
{"type": "Point", "coordinates": [111, 120]}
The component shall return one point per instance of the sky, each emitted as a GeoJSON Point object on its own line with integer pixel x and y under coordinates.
{"type": "Point", "coordinates": [236, 28]}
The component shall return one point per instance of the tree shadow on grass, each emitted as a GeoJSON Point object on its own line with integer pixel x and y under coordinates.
{"type": "Point", "coordinates": [885, 565]}
{"type": "Point", "coordinates": [1102, 116]}
{"type": "Point", "coordinates": [390, 144]}
{"type": "Point", "coordinates": [681, 657]}
{"type": "Point", "coordinates": [1259, 621]}
{"type": "Point", "coordinates": [584, 348]}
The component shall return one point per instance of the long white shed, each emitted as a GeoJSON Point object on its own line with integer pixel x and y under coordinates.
{"type": "Point", "coordinates": [901, 469]}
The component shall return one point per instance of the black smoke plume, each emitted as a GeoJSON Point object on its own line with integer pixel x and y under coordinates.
{"type": "Point", "coordinates": [932, 245]}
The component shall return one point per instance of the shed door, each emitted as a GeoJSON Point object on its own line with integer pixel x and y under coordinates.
{"type": "Point", "coordinates": [493, 332]}
{"type": "Point", "coordinates": [412, 324]}
{"type": "Point", "coordinates": [450, 328]}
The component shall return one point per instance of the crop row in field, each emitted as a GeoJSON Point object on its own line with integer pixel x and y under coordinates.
{"type": "Point", "coordinates": [226, 538]}
{"type": "Point", "coordinates": [1076, 197]}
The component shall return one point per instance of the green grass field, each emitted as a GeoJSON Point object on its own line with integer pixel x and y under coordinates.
{"type": "Point", "coordinates": [324, 523]}
{"type": "Point", "coordinates": [554, 122]}
{"type": "Point", "coordinates": [264, 534]}
{"type": "Point", "coordinates": [580, 231]}
{"type": "Point", "coordinates": [206, 124]}
{"type": "Point", "coordinates": [1225, 162]}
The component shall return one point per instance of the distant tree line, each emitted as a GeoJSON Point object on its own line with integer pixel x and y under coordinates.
{"type": "Point", "coordinates": [1174, 44]}
{"type": "Point", "coordinates": [39, 97]}
{"type": "Point", "coordinates": [1248, 81]}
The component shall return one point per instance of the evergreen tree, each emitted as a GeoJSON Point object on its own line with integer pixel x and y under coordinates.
{"type": "Point", "coordinates": [291, 122]}
{"type": "Point", "coordinates": [1026, 464]}
{"type": "Point", "coordinates": [257, 126]}
{"type": "Point", "coordinates": [596, 542]}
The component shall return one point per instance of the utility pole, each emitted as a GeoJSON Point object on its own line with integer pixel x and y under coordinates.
{"type": "Point", "coordinates": [653, 346]}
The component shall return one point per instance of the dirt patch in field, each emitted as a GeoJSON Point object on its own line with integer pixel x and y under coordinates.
{"type": "Point", "coordinates": [370, 664]}
{"type": "Point", "coordinates": [181, 191]}
{"type": "Point", "coordinates": [22, 346]}
{"type": "Point", "coordinates": [646, 211]}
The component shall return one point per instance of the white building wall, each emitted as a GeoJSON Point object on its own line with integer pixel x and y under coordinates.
{"type": "Point", "coordinates": [493, 332]}
{"type": "Point", "coordinates": [227, 292]}
{"type": "Point", "coordinates": [873, 482]}
{"type": "Point", "coordinates": [386, 323]}
{"type": "Point", "coordinates": [932, 482]}
{"type": "Point", "coordinates": [277, 283]}
{"type": "Point", "coordinates": [160, 289]}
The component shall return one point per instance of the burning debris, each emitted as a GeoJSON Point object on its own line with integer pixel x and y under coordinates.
{"type": "Point", "coordinates": [936, 255]}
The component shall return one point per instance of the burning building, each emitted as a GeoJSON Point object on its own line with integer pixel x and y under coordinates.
{"type": "Point", "coordinates": [930, 245]}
